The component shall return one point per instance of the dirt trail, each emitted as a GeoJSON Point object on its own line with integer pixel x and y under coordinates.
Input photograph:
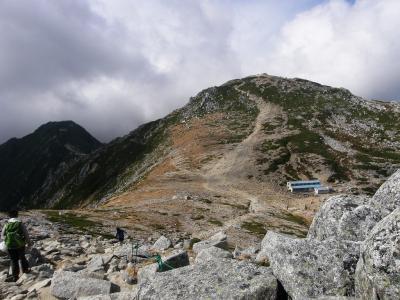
{"type": "Point", "coordinates": [231, 173]}
{"type": "Point", "coordinates": [238, 162]}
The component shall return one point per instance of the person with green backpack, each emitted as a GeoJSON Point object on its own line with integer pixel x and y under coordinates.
{"type": "Point", "coordinates": [15, 237]}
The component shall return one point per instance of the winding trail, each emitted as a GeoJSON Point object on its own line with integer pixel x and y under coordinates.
{"type": "Point", "coordinates": [230, 173]}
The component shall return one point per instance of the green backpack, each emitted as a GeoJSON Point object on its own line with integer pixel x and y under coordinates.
{"type": "Point", "coordinates": [14, 237]}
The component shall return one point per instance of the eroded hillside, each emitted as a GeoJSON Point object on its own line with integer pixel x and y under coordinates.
{"type": "Point", "coordinates": [222, 161]}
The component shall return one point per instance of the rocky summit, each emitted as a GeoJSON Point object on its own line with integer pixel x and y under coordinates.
{"type": "Point", "coordinates": [332, 262]}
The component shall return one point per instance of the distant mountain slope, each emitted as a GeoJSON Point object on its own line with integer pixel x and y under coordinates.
{"type": "Point", "coordinates": [125, 161]}
{"type": "Point", "coordinates": [256, 132]}
{"type": "Point", "coordinates": [29, 165]}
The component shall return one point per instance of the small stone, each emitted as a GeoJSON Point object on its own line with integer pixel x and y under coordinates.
{"type": "Point", "coordinates": [39, 285]}
{"type": "Point", "coordinates": [208, 255]}
{"type": "Point", "coordinates": [162, 244]}
{"type": "Point", "coordinates": [218, 240]}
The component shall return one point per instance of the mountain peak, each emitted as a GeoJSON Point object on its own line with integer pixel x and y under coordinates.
{"type": "Point", "coordinates": [30, 164]}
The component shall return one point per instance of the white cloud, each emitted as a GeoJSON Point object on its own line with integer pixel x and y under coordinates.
{"type": "Point", "coordinates": [353, 46]}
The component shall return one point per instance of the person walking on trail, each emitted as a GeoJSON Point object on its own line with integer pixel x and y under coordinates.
{"type": "Point", "coordinates": [120, 235]}
{"type": "Point", "coordinates": [16, 237]}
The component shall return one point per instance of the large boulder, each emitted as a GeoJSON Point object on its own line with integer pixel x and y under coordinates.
{"type": "Point", "coordinates": [344, 217]}
{"type": "Point", "coordinates": [310, 268]}
{"type": "Point", "coordinates": [224, 279]}
{"type": "Point", "coordinates": [66, 285]}
{"type": "Point", "coordinates": [218, 240]}
{"type": "Point", "coordinates": [387, 197]}
{"type": "Point", "coordinates": [378, 270]}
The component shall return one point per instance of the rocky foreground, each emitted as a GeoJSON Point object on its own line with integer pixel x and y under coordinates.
{"type": "Point", "coordinates": [352, 251]}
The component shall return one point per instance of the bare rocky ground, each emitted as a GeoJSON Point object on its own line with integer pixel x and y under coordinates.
{"type": "Point", "coordinates": [205, 186]}
{"type": "Point", "coordinates": [350, 252]}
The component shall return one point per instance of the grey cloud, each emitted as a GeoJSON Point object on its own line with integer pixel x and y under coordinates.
{"type": "Point", "coordinates": [46, 43]}
{"type": "Point", "coordinates": [112, 65]}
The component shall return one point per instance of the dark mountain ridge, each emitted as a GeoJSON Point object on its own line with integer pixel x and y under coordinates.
{"type": "Point", "coordinates": [29, 164]}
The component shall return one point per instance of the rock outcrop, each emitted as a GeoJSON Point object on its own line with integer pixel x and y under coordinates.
{"type": "Point", "coordinates": [378, 270]}
{"type": "Point", "coordinates": [310, 268]}
{"type": "Point", "coordinates": [344, 217]}
{"type": "Point", "coordinates": [221, 279]}
{"type": "Point", "coordinates": [387, 197]}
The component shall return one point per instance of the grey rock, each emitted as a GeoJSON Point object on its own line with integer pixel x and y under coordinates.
{"type": "Point", "coordinates": [18, 297]}
{"type": "Point", "coordinates": [10, 290]}
{"type": "Point", "coordinates": [228, 279]}
{"type": "Point", "coordinates": [122, 263]}
{"type": "Point", "coordinates": [218, 240]}
{"type": "Point", "coordinates": [212, 253]}
{"type": "Point", "coordinates": [66, 285]}
{"type": "Point", "coordinates": [43, 267]}
{"type": "Point", "coordinates": [113, 266]}
{"type": "Point", "coordinates": [176, 259]}
{"type": "Point", "coordinates": [249, 253]}
{"type": "Point", "coordinates": [113, 296]}
{"type": "Point", "coordinates": [124, 250]}
{"type": "Point", "coordinates": [387, 197]}
{"type": "Point", "coordinates": [344, 218]}
{"type": "Point", "coordinates": [310, 268]}
{"type": "Point", "coordinates": [127, 251]}
{"type": "Point", "coordinates": [378, 270]}
{"type": "Point", "coordinates": [147, 273]}
{"type": "Point", "coordinates": [331, 298]}
{"type": "Point", "coordinates": [96, 275]}
{"type": "Point", "coordinates": [39, 285]}
{"type": "Point", "coordinates": [96, 249]}
{"type": "Point", "coordinates": [26, 279]}
{"type": "Point", "coordinates": [96, 264]}
{"type": "Point", "coordinates": [162, 243]}
{"type": "Point", "coordinates": [178, 245]}
{"type": "Point", "coordinates": [107, 258]}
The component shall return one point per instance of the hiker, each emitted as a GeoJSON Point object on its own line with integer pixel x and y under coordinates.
{"type": "Point", "coordinates": [120, 235]}
{"type": "Point", "coordinates": [16, 237]}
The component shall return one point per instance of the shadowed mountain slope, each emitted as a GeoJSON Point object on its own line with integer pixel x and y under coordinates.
{"type": "Point", "coordinates": [29, 166]}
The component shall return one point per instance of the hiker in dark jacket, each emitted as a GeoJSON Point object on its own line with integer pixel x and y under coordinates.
{"type": "Point", "coordinates": [120, 235]}
{"type": "Point", "coordinates": [16, 237]}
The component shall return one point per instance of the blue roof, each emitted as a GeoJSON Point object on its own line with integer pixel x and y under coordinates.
{"type": "Point", "coordinates": [305, 181]}
{"type": "Point", "coordinates": [305, 186]}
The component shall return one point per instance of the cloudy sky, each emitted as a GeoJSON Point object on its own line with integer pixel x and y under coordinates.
{"type": "Point", "coordinates": [112, 65]}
